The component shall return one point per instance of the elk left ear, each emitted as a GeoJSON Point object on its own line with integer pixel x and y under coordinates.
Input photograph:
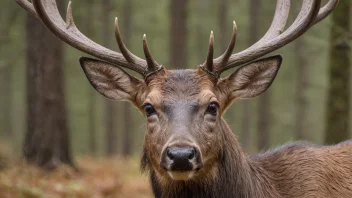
{"type": "Point", "coordinates": [252, 80]}
{"type": "Point", "coordinates": [109, 80]}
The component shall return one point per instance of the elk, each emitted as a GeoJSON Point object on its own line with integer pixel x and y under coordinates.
{"type": "Point", "coordinates": [189, 150]}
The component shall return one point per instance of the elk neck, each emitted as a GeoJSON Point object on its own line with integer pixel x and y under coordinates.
{"type": "Point", "coordinates": [236, 175]}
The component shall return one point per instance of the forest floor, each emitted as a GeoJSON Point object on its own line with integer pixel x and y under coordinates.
{"type": "Point", "coordinates": [97, 178]}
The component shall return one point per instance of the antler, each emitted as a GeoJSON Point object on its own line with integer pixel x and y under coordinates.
{"type": "Point", "coordinates": [276, 37]}
{"type": "Point", "coordinates": [48, 13]}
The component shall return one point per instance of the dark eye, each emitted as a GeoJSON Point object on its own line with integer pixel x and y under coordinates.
{"type": "Point", "coordinates": [149, 110]}
{"type": "Point", "coordinates": [212, 109]}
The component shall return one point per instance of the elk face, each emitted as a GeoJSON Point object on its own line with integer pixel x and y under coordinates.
{"type": "Point", "coordinates": [183, 109]}
{"type": "Point", "coordinates": [182, 115]}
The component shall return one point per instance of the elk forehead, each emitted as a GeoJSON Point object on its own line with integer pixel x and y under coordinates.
{"type": "Point", "coordinates": [182, 86]}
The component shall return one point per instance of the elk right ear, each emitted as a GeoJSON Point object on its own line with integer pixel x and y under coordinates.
{"type": "Point", "coordinates": [253, 79]}
{"type": "Point", "coordinates": [110, 81]}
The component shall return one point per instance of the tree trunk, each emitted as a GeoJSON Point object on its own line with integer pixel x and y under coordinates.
{"type": "Point", "coordinates": [8, 19]}
{"type": "Point", "coordinates": [224, 24]}
{"type": "Point", "coordinates": [3, 104]}
{"type": "Point", "coordinates": [178, 34]}
{"type": "Point", "coordinates": [338, 105]}
{"type": "Point", "coordinates": [254, 22]}
{"type": "Point", "coordinates": [264, 114]}
{"type": "Point", "coordinates": [110, 112]}
{"type": "Point", "coordinates": [201, 34]}
{"type": "Point", "coordinates": [46, 141]}
{"type": "Point", "coordinates": [264, 118]}
{"type": "Point", "coordinates": [127, 129]}
{"type": "Point", "coordinates": [92, 142]}
{"type": "Point", "coordinates": [92, 122]}
{"type": "Point", "coordinates": [7, 100]}
{"type": "Point", "coordinates": [301, 87]}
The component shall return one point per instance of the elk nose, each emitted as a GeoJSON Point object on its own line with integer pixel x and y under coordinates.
{"type": "Point", "coordinates": [181, 158]}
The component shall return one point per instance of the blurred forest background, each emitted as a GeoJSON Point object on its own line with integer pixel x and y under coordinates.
{"type": "Point", "coordinates": [50, 115]}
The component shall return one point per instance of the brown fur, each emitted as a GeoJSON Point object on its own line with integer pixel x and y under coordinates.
{"type": "Point", "coordinates": [293, 170]}
{"type": "Point", "coordinates": [181, 99]}
{"type": "Point", "coordinates": [184, 110]}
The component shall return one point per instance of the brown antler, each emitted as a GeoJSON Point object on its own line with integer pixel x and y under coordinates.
{"type": "Point", "coordinates": [276, 37]}
{"type": "Point", "coordinates": [208, 65]}
{"type": "Point", "coordinates": [47, 12]}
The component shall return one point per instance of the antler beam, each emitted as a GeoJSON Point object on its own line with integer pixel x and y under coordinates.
{"type": "Point", "coordinates": [276, 37]}
{"type": "Point", "coordinates": [47, 12]}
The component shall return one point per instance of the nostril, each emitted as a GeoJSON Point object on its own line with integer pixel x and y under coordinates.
{"type": "Point", "coordinates": [170, 154]}
{"type": "Point", "coordinates": [192, 154]}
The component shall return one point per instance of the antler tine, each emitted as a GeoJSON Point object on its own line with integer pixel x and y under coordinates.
{"type": "Point", "coordinates": [208, 65]}
{"type": "Point", "coordinates": [69, 17]}
{"type": "Point", "coordinates": [278, 24]}
{"type": "Point", "coordinates": [47, 12]}
{"type": "Point", "coordinates": [129, 56]}
{"type": "Point", "coordinates": [153, 66]}
{"type": "Point", "coordinates": [275, 38]}
{"type": "Point", "coordinates": [305, 18]}
{"type": "Point", "coordinates": [228, 52]}
{"type": "Point", "coordinates": [25, 4]}
{"type": "Point", "coordinates": [277, 27]}
{"type": "Point", "coordinates": [326, 10]}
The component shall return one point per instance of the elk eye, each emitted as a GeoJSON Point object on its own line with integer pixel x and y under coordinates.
{"type": "Point", "coordinates": [212, 109]}
{"type": "Point", "coordinates": [149, 110]}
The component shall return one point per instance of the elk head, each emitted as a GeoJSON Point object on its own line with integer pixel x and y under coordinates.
{"type": "Point", "coordinates": [183, 108]}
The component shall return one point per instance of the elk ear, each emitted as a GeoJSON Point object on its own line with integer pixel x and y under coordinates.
{"type": "Point", "coordinates": [252, 80]}
{"type": "Point", "coordinates": [110, 81]}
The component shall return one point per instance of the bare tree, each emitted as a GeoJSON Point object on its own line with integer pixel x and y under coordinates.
{"type": "Point", "coordinates": [92, 143]}
{"type": "Point", "coordinates": [254, 27]}
{"type": "Point", "coordinates": [46, 141]}
{"type": "Point", "coordinates": [201, 34]}
{"type": "Point", "coordinates": [6, 82]}
{"type": "Point", "coordinates": [128, 128]}
{"type": "Point", "coordinates": [301, 87]}
{"type": "Point", "coordinates": [92, 122]}
{"type": "Point", "coordinates": [110, 112]}
{"type": "Point", "coordinates": [7, 98]}
{"type": "Point", "coordinates": [7, 19]}
{"type": "Point", "coordinates": [223, 23]}
{"type": "Point", "coordinates": [264, 112]}
{"type": "Point", "coordinates": [338, 114]}
{"type": "Point", "coordinates": [178, 33]}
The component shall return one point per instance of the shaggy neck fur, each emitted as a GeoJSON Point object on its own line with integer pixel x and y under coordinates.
{"type": "Point", "coordinates": [236, 176]}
